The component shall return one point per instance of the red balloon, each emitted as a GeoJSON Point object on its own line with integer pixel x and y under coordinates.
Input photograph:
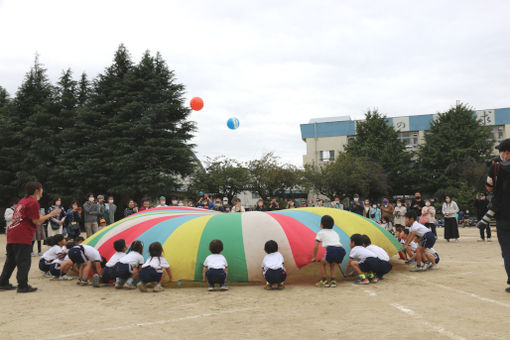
{"type": "Point", "coordinates": [197, 103]}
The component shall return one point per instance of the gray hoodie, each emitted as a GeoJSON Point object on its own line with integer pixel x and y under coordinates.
{"type": "Point", "coordinates": [92, 212]}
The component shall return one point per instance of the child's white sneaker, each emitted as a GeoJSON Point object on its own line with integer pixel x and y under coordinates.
{"type": "Point", "coordinates": [158, 288]}
{"type": "Point", "coordinates": [141, 287]}
{"type": "Point", "coordinates": [65, 277]}
{"type": "Point", "coordinates": [95, 280]}
{"type": "Point", "coordinates": [48, 274]}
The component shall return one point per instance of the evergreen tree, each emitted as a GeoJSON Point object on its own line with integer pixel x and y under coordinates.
{"type": "Point", "coordinates": [455, 138]}
{"type": "Point", "coordinates": [9, 154]}
{"type": "Point", "coordinates": [378, 141]}
{"type": "Point", "coordinates": [4, 97]}
{"type": "Point", "coordinates": [83, 89]}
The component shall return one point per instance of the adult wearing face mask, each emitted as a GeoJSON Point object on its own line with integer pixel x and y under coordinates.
{"type": "Point", "coordinates": [428, 214]}
{"type": "Point", "coordinates": [162, 202]}
{"type": "Point", "coordinates": [56, 223]}
{"type": "Point", "coordinates": [417, 204]}
{"type": "Point", "coordinates": [366, 209]}
{"type": "Point", "coordinates": [387, 209]}
{"type": "Point", "coordinates": [400, 215]}
{"type": "Point", "coordinates": [375, 213]}
{"type": "Point", "coordinates": [450, 209]}
{"type": "Point", "coordinates": [498, 182]}
{"type": "Point", "coordinates": [91, 211]}
{"type": "Point", "coordinates": [109, 210]}
{"type": "Point", "coordinates": [356, 205]}
{"type": "Point", "coordinates": [19, 238]}
{"type": "Point", "coordinates": [218, 205]}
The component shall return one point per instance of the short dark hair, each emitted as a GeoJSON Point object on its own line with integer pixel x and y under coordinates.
{"type": "Point", "coordinates": [55, 199]}
{"type": "Point", "coordinates": [357, 239]}
{"type": "Point", "coordinates": [90, 194]}
{"type": "Point", "coordinates": [155, 249]}
{"type": "Point", "coordinates": [327, 222]}
{"type": "Point", "coordinates": [54, 240]}
{"type": "Point", "coordinates": [366, 240]}
{"type": "Point", "coordinates": [216, 246]}
{"type": "Point", "coordinates": [31, 187]}
{"type": "Point", "coordinates": [119, 245]}
{"type": "Point", "coordinates": [406, 231]}
{"type": "Point", "coordinates": [411, 214]}
{"type": "Point", "coordinates": [137, 246]}
{"type": "Point", "coordinates": [79, 239]}
{"type": "Point", "coordinates": [271, 247]}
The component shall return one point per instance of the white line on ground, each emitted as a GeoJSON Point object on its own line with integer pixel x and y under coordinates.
{"type": "Point", "coordinates": [431, 326]}
{"type": "Point", "coordinates": [144, 324]}
{"type": "Point", "coordinates": [369, 292]}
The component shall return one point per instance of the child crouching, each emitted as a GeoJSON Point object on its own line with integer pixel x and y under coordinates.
{"type": "Point", "coordinates": [216, 266]}
{"type": "Point", "coordinates": [382, 267]}
{"type": "Point", "coordinates": [152, 269]}
{"type": "Point", "coordinates": [128, 267]}
{"type": "Point", "coordinates": [272, 266]}
{"type": "Point", "coordinates": [109, 271]}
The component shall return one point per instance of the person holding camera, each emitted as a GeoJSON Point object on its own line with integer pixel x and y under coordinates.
{"type": "Point", "coordinates": [498, 182]}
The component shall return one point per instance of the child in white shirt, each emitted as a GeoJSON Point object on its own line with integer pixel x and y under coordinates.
{"type": "Point", "coordinates": [152, 269]}
{"type": "Point", "coordinates": [272, 266]}
{"type": "Point", "coordinates": [109, 271]}
{"type": "Point", "coordinates": [377, 268]}
{"type": "Point", "coordinates": [57, 242]}
{"type": "Point", "coordinates": [334, 251]}
{"type": "Point", "coordinates": [361, 260]}
{"type": "Point", "coordinates": [216, 266]}
{"type": "Point", "coordinates": [426, 239]}
{"type": "Point", "coordinates": [89, 259]}
{"type": "Point", "coordinates": [128, 267]}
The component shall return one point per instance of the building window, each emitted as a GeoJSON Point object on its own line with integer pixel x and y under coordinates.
{"type": "Point", "coordinates": [409, 138]}
{"type": "Point", "coordinates": [498, 133]}
{"type": "Point", "coordinates": [327, 156]}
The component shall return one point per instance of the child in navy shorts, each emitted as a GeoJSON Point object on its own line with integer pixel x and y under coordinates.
{"type": "Point", "coordinates": [334, 251]}
{"type": "Point", "coordinates": [382, 267]}
{"type": "Point", "coordinates": [89, 260]}
{"type": "Point", "coordinates": [362, 261]}
{"type": "Point", "coordinates": [152, 269]}
{"type": "Point", "coordinates": [216, 266]}
{"type": "Point", "coordinates": [57, 243]}
{"type": "Point", "coordinates": [109, 271]}
{"type": "Point", "coordinates": [129, 266]}
{"type": "Point", "coordinates": [426, 239]}
{"type": "Point", "coordinates": [272, 266]}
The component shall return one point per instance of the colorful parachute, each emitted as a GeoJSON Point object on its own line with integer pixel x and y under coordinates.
{"type": "Point", "coordinates": [185, 234]}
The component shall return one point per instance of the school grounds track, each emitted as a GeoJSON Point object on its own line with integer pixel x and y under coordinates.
{"type": "Point", "coordinates": [464, 299]}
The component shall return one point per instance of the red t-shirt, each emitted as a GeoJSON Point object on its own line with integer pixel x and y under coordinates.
{"type": "Point", "coordinates": [22, 228]}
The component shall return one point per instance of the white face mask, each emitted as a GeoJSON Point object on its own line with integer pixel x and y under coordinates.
{"type": "Point", "coordinates": [37, 197]}
{"type": "Point", "coordinates": [110, 201]}
{"type": "Point", "coordinates": [501, 156]}
{"type": "Point", "coordinates": [58, 203]}
{"type": "Point", "coordinates": [91, 199]}
{"type": "Point", "coordinates": [356, 199]}
{"type": "Point", "coordinates": [399, 204]}
{"type": "Point", "coordinates": [174, 202]}
{"type": "Point", "coordinates": [374, 206]}
{"type": "Point", "coordinates": [427, 204]}
{"type": "Point", "coordinates": [162, 202]}
{"type": "Point", "coordinates": [75, 206]}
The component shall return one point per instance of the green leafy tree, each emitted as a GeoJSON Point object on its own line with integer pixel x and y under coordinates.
{"type": "Point", "coordinates": [346, 176]}
{"type": "Point", "coordinates": [378, 141]}
{"type": "Point", "coordinates": [224, 177]}
{"type": "Point", "coordinates": [455, 139]}
{"type": "Point", "coordinates": [268, 177]}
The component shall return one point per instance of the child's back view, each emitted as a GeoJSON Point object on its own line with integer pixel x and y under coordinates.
{"type": "Point", "coordinates": [216, 266]}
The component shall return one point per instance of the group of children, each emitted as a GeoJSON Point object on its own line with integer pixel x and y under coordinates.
{"type": "Point", "coordinates": [368, 261]}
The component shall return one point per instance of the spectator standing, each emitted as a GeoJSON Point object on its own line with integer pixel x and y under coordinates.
{"type": "Point", "coordinates": [336, 203]}
{"type": "Point", "coordinates": [273, 205]}
{"type": "Point", "coordinates": [417, 204]}
{"type": "Point", "coordinates": [400, 215]}
{"type": "Point", "coordinates": [102, 204]}
{"type": "Point", "coordinates": [481, 205]}
{"type": "Point", "coordinates": [450, 209]}
{"type": "Point", "coordinates": [109, 211]}
{"type": "Point", "coordinates": [238, 207]}
{"type": "Point", "coordinates": [226, 206]}
{"type": "Point", "coordinates": [356, 205]}
{"type": "Point", "coordinates": [131, 209]}
{"type": "Point", "coordinates": [56, 223]}
{"type": "Point", "coordinates": [9, 212]}
{"type": "Point", "coordinates": [19, 238]}
{"type": "Point", "coordinates": [387, 209]}
{"type": "Point", "coordinates": [162, 202]}
{"type": "Point", "coordinates": [218, 205]}
{"type": "Point", "coordinates": [260, 205]}
{"type": "Point", "coordinates": [146, 205]}
{"type": "Point", "coordinates": [428, 216]}
{"type": "Point", "coordinates": [375, 213]}
{"type": "Point", "coordinates": [39, 236]}
{"type": "Point", "coordinates": [366, 209]}
{"type": "Point", "coordinates": [91, 211]}
{"type": "Point", "coordinates": [73, 220]}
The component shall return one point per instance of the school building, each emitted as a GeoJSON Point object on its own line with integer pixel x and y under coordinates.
{"type": "Point", "coordinates": [325, 137]}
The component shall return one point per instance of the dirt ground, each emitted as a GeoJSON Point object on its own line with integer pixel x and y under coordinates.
{"type": "Point", "coordinates": [464, 299]}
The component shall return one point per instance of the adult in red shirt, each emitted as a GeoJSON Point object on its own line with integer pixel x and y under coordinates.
{"type": "Point", "coordinates": [20, 232]}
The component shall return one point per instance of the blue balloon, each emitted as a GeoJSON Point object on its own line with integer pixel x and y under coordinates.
{"type": "Point", "coordinates": [233, 123]}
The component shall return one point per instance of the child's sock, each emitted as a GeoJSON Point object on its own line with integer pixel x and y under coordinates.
{"type": "Point", "coordinates": [362, 276]}
{"type": "Point", "coordinates": [371, 275]}
{"type": "Point", "coordinates": [129, 281]}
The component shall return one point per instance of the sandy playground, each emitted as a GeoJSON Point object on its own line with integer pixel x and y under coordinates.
{"type": "Point", "coordinates": [464, 299]}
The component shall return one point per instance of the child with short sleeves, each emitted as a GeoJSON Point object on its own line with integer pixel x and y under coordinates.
{"type": "Point", "coordinates": [426, 239]}
{"type": "Point", "coordinates": [432, 256]}
{"type": "Point", "coordinates": [384, 266]}
{"type": "Point", "coordinates": [362, 260]}
{"type": "Point", "coordinates": [334, 251]}
{"type": "Point", "coordinates": [109, 271]}
{"type": "Point", "coordinates": [57, 243]}
{"type": "Point", "coordinates": [216, 266]}
{"type": "Point", "coordinates": [272, 266]}
{"type": "Point", "coordinates": [129, 266]}
{"type": "Point", "coordinates": [59, 268]}
{"type": "Point", "coordinates": [152, 269]}
{"type": "Point", "coordinates": [88, 259]}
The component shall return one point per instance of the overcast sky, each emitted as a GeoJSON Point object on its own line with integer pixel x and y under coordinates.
{"type": "Point", "coordinates": [276, 64]}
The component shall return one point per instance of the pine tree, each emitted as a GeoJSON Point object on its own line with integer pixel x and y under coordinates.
{"type": "Point", "coordinates": [378, 141]}
{"type": "Point", "coordinates": [455, 138]}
